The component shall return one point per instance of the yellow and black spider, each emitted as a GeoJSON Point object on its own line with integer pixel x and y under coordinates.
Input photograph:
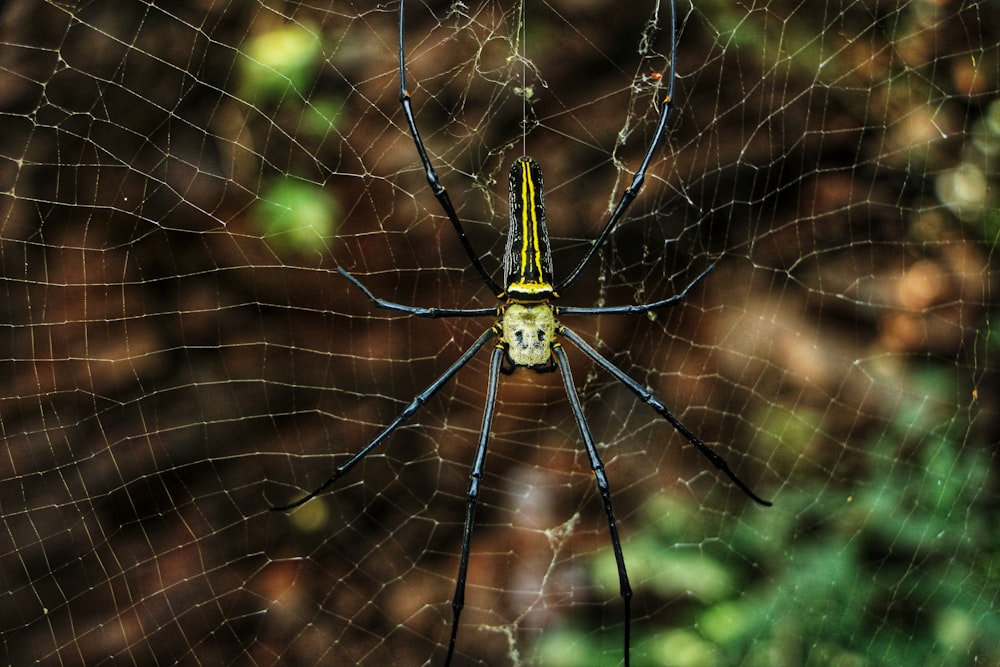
{"type": "Point", "coordinates": [527, 330]}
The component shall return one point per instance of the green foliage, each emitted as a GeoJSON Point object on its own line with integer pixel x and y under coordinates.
{"type": "Point", "coordinates": [279, 62]}
{"type": "Point", "coordinates": [279, 68]}
{"type": "Point", "coordinates": [896, 565]}
{"type": "Point", "coordinates": [297, 215]}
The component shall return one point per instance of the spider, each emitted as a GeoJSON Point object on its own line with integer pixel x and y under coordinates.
{"type": "Point", "coordinates": [527, 331]}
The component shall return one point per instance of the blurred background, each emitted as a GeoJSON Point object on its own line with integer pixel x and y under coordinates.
{"type": "Point", "coordinates": [181, 180]}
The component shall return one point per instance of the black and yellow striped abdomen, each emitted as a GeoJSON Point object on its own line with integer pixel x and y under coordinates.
{"type": "Point", "coordinates": [528, 259]}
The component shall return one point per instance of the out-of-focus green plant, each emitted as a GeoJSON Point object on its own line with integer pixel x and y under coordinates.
{"type": "Point", "coordinates": [898, 565]}
{"type": "Point", "coordinates": [278, 62]}
{"type": "Point", "coordinates": [279, 67]}
{"type": "Point", "coordinates": [969, 189]}
{"type": "Point", "coordinates": [297, 215]}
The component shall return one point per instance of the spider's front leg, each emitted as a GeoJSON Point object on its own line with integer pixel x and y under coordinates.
{"type": "Point", "coordinates": [418, 402]}
{"type": "Point", "coordinates": [597, 466]}
{"type": "Point", "coordinates": [475, 477]}
{"type": "Point", "coordinates": [652, 401]}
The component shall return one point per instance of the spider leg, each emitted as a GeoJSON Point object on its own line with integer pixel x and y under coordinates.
{"type": "Point", "coordinates": [602, 486]}
{"type": "Point", "coordinates": [632, 190]}
{"type": "Point", "coordinates": [475, 476]}
{"type": "Point", "coordinates": [640, 308]}
{"type": "Point", "coordinates": [414, 310]}
{"type": "Point", "coordinates": [417, 403]}
{"type": "Point", "coordinates": [658, 406]}
{"type": "Point", "coordinates": [432, 178]}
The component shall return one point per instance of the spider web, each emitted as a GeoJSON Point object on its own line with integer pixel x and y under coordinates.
{"type": "Point", "coordinates": [181, 181]}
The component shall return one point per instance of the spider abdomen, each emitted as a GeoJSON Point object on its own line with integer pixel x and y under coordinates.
{"type": "Point", "coordinates": [527, 260]}
{"type": "Point", "coordinates": [528, 331]}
